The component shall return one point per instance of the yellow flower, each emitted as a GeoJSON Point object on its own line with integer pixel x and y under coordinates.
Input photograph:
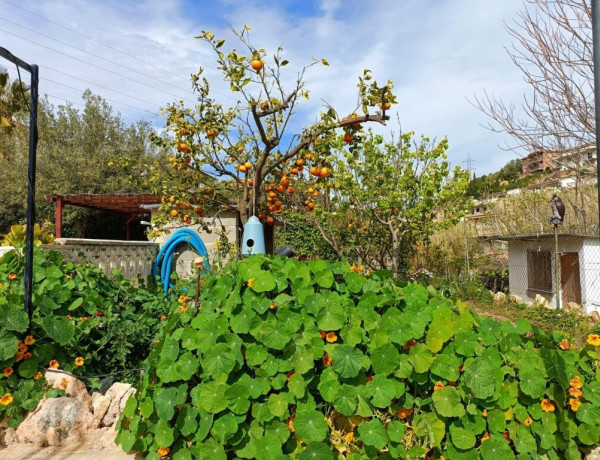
{"type": "Point", "coordinates": [79, 361]}
{"type": "Point", "coordinates": [29, 340]}
{"type": "Point", "coordinates": [183, 308]}
{"type": "Point", "coordinates": [574, 403]}
{"type": "Point", "coordinates": [37, 376]}
{"type": "Point", "coordinates": [331, 337]}
{"type": "Point", "coordinates": [12, 276]}
{"type": "Point", "coordinates": [6, 399]}
{"type": "Point", "coordinates": [575, 392]}
{"type": "Point", "coordinates": [547, 405]}
{"type": "Point", "coordinates": [163, 317]}
{"type": "Point", "coordinates": [54, 364]}
{"type": "Point", "coordinates": [349, 437]}
{"type": "Point", "coordinates": [272, 306]}
{"type": "Point", "coordinates": [8, 371]}
{"type": "Point", "coordinates": [162, 451]}
{"type": "Point", "coordinates": [484, 413]}
{"type": "Point", "coordinates": [564, 344]}
{"type": "Point", "coordinates": [251, 282]}
{"type": "Point", "coordinates": [438, 386]}
{"type": "Point", "coordinates": [183, 299]}
{"type": "Point", "coordinates": [528, 421]}
{"type": "Point", "coordinates": [594, 339]}
{"type": "Point", "coordinates": [485, 437]}
{"type": "Point", "coordinates": [576, 382]}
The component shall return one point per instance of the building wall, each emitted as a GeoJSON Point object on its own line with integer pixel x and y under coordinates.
{"type": "Point", "coordinates": [589, 263]}
{"type": "Point", "coordinates": [184, 257]}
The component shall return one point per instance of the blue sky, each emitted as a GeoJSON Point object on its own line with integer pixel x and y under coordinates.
{"type": "Point", "coordinates": [439, 53]}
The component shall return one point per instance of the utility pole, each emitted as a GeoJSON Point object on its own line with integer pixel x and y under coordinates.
{"type": "Point", "coordinates": [596, 57]}
{"type": "Point", "coordinates": [469, 161]}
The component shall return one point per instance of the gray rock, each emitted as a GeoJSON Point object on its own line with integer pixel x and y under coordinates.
{"type": "Point", "coordinates": [513, 298]}
{"type": "Point", "coordinates": [116, 393]}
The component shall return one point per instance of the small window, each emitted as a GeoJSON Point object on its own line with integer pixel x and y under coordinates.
{"type": "Point", "coordinates": [539, 271]}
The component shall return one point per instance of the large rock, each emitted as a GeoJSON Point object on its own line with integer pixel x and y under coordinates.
{"type": "Point", "coordinates": [73, 387]}
{"type": "Point", "coordinates": [57, 421]}
{"type": "Point", "coordinates": [574, 307]}
{"type": "Point", "coordinates": [595, 316]}
{"type": "Point", "coordinates": [500, 298]}
{"type": "Point", "coordinates": [593, 454]}
{"type": "Point", "coordinates": [513, 298]}
{"type": "Point", "coordinates": [541, 301]}
{"type": "Point", "coordinates": [118, 394]}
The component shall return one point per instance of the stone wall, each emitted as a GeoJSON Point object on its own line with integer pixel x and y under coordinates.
{"type": "Point", "coordinates": [133, 258]}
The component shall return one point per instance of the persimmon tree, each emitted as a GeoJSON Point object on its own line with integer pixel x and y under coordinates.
{"type": "Point", "coordinates": [244, 155]}
{"type": "Point", "coordinates": [385, 198]}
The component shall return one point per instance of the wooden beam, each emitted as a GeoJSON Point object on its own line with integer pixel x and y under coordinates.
{"type": "Point", "coordinates": [58, 217]}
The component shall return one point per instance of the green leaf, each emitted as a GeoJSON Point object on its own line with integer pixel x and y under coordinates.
{"type": "Point", "coordinates": [446, 367]}
{"type": "Point", "coordinates": [126, 440]}
{"type": "Point", "coordinates": [346, 400]}
{"type": "Point", "coordinates": [297, 385]}
{"type": "Point", "coordinates": [347, 361]}
{"type": "Point", "coordinates": [430, 427]}
{"type": "Point", "coordinates": [324, 278]}
{"type": "Point", "coordinates": [373, 434]}
{"type": "Point", "coordinates": [440, 331]}
{"type": "Point", "coordinates": [59, 329]}
{"type": "Point", "coordinates": [385, 359]}
{"type": "Point", "coordinates": [331, 317]}
{"type": "Point", "coordinates": [28, 368]}
{"type": "Point", "coordinates": [224, 428]}
{"type": "Point", "coordinates": [210, 396]}
{"type": "Point", "coordinates": [589, 414]}
{"type": "Point", "coordinates": [238, 398]}
{"type": "Point", "coordinates": [447, 402]}
{"type": "Point", "coordinates": [311, 426]}
{"type": "Point", "coordinates": [218, 360]}
{"type": "Point", "coordinates": [278, 404]}
{"type": "Point", "coordinates": [591, 392]}
{"type": "Point", "coordinates": [462, 438]}
{"type": "Point", "coordinates": [163, 434]}
{"type": "Point", "coordinates": [263, 281]}
{"type": "Point", "coordinates": [421, 358]}
{"type": "Point", "coordinates": [381, 391]}
{"type": "Point", "coordinates": [256, 354]}
{"type": "Point", "coordinates": [395, 431]}
{"type": "Point", "coordinates": [303, 361]}
{"type": "Point", "coordinates": [268, 447]}
{"type": "Point", "coordinates": [496, 448]}
{"type": "Point", "coordinates": [165, 400]}
{"type": "Point", "coordinates": [496, 421]}
{"type": "Point", "coordinates": [532, 382]}
{"type": "Point", "coordinates": [14, 318]}
{"type": "Point", "coordinates": [588, 434]}
{"type": "Point", "coordinates": [316, 451]}
{"type": "Point", "coordinates": [9, 345]}
{"type": "Point", "coordinates": [480, 377]}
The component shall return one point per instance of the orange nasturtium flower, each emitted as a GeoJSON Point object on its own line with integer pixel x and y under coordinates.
{"type": "Point", "coordinates": [576, 382]}
{"type": "Point", "coordinates": [528, 421]}
{"type": "Point", "coordinates": [594, 339]}
{"type": "Point", "coordinates": [183, 299]}
{"type": "Point", "coordinates": [485, 437]}
{"type": "Point", "coordinates": [29, 340]}
{"type": "Point", "coordinates": [183, 308]}
{"type": "Point", "coordinates": [484, 413]}
{"type": "Point", "coordinates": [27, 355]}
{"type": "Point", "coordinates": [163, 317]}
{"type": "Point", "coordinates": [564, 344]}
{"type": "Point", "coordinates": [574, 403]}
{"type": "Point", "coordinates": [438, 386]}
{"type": "Point", "coordinates": [37, 375]}
{"type": "Point", "coordinates": [54, 364]}
{"type": "Point", "coordinates": [8, 371]}
{"type": "Point", "coordinates": [322, 334]}
{"type": "Point", "coordinates": [22, 347]}
{"type": "Point", "coordinates": [272, 306]}
{"type": "Point", "coordinates": [12, 276]}
{"type": "Point", "coordinates": [163, 451]}
{"type": "Point", "coordinates": [6, 399]}
{"type": "Point", "coordinates": [79, 361]}
{"type": "Point", "coordinates": [547, 405]}
{"type": "Point", "coordinates": [331, 337]}
{"type": "Point", "coordinates": [349, 437]}
{"type": "Point", "coordinates": [251, 282]}
{"type": "Point", "coordinates": [404, 412]}
{"type": "Point", "coordinates": [575, 392]}
{"type": "Point", "coordinates": [327, 361]}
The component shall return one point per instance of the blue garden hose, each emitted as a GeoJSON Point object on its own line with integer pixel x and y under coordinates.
{"type": "Point", "coordinates": [165, 255]}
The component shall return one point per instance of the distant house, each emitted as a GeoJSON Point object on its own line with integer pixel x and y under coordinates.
{"type": "Point", "coordinates": [531, 268]}
{"type": "Point", "coordinates": [577, 158]}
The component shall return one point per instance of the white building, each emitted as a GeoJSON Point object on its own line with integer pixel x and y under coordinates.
{"type": "Point", "coordinates": [531, 268]}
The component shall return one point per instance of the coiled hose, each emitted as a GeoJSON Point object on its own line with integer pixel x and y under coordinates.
{"type": "Point", "coordinates": [165, 255]}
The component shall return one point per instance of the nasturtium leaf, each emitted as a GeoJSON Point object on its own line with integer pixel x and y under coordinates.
{"type": "Point", "coordinates": [28, 368]}
{"type": "Point", "coordinates": [373, 434]}
{"type": "Point", "coordinates": [447, 402]}
{"type": "Point", "coordinates": [395, 431]}
{"type": "Point", "coordinates": [9, 345]}
{"type": "Point", "coordinates": [347, 361]}
{"type": "Point", "coordinates": [589, 414]}
{"type": "Point", "coordinates": [163, 433]}
{"type": "Point", "coordinates": [261, 412]}
{"type": "Point", "coordinates": [440, 331]}
{"type": "Point", "coordinates": [181, 454]}
{"type": "Point", "coordinates": [126, 440]}
{"type": "Point", "coordinates": [328, 389]}
{"type": "Point", "coordinates": [446, 367]}
{"type": "Point", "coordinates": [256, 354]}
{"type": "Point", "coordinates": [274, 336]}
{"type": "Point", "coordinates": [224, 427]}
{"type": "Point", "coordinates": [324, 278]}
{"type": "Point", "coordinates": [384, 359]}
{"type": "Point", "coordinates": [354, 282]}
{"type": "Point", "coordinates": [278, 404]}
{"type": "Point", "coordinates": [238, 398]}
{"type": "Point", "coordinates": [467, 343]}
{"type": "Point", "coordinates": [14, 318]}
{"type": "Point", "coordinates": [331, 317]}
{"type": "Point", "coordinates": [421, 358]}
{"type": "Point", "coordinates": [165, 400]}
{"type": "Point", "coordinates": [146, 407]}
{"type": "Point", "coordinates": [591, 392]}
{"type": "Point", "coordinates": [218, 360]}
{"type": "Point", "coordinates": [58, 328]}
{"type": "Point", "coordinates": [310, 426]}
{"type": "Point", "coordinates": [316, 451]}
{"type": "Point", "coordinates": [524, 441]}
{"type": "Point", "coordinates": [297, 385]}
{"type": "Point", "coordinates": [415, 294]}
{"type": "Point", "coordinates": [496, 448]}
{"type": "Point", "coordinates": [279, 429]}
{"type": "Point", "coordinates": [532, 382]}
{"type": "Point", "coordinates": [187, 420]}
{"type": "Point", "coordinates": [461, 437]}
{"type": "Point", "coordinates": [346, 400]}
{"type": "Point", "coordinates": [429, 426]}
{"type": "Point", "coordinates": [210, 449]}
{"type": "Point", "coordinates": [381, 390]}
{"type": "Point", "coordinates": [303, 361]}
{"type": "Point", "coordinates": [210, 396]}
{"type": "Point", "coordinates": [480, 377]}
{"type": "Point", "coordinates": [496, 420]}
{"type": "Point", "coordinates": [263, 281]}
{"type": "Point", "coordinates": [588, 434]}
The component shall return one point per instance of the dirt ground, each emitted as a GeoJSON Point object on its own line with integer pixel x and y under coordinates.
{"type": "Point", "coordinates": [81, 452]}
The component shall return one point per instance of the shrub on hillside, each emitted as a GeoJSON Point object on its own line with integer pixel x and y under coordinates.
{"type": "Point", "coordinates": [314, 361]}
{"type": "Point", "coordinates": [83, 322]}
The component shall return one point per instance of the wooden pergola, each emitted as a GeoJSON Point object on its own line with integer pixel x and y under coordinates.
{"type": "Point", "coordinates": [123, 203]}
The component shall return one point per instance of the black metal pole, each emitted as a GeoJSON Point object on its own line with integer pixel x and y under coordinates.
{"type": "Point", "coordinates": [596, 57]}
{"type": "Point", "coordinates": [33, 138]}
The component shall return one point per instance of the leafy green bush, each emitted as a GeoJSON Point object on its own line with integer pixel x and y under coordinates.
{"type": "Point", "coordinates": [78, 313]}
{"type": "Point", "coordinates": [313, 361]}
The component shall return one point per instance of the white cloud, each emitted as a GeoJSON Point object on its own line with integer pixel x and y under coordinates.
{"type": "Point", "coordinates": [439, 53]}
